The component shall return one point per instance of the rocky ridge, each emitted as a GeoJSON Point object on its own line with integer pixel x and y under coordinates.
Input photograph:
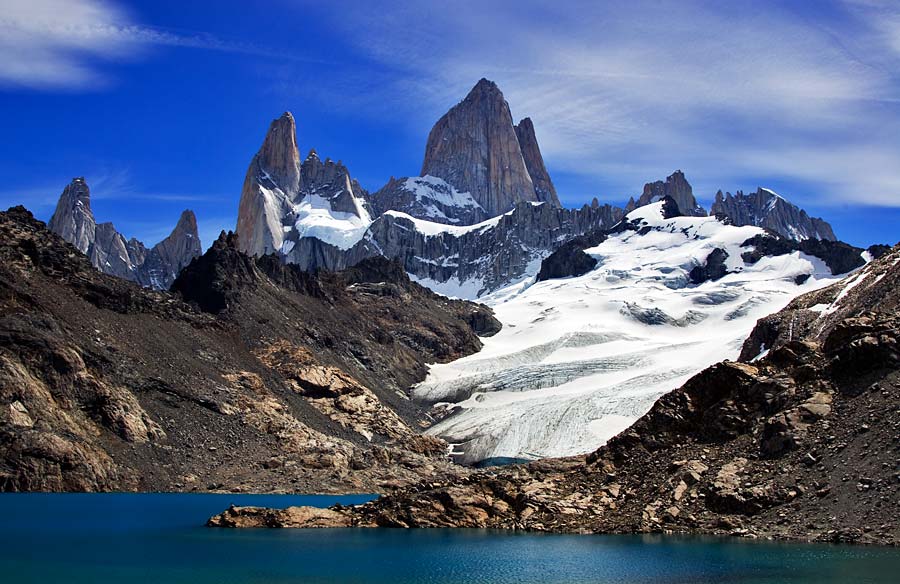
{"type": "Point", "coordinates": [262, 378]}
{"type": "Point", "coordinates": [483, 214]}
{"type": "Point", "coordinates": [111, 253]}
{"type": "Point", "coordinates": [766, 209]}
{"type": "Point", "coordinates": [799, 444]}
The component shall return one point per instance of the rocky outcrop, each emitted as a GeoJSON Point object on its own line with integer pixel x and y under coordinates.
{"type": "Point", "coordinates": [675, 187]}
{"type": "Point", "coordinates": [253, 376]}
{"type": "Point", "coordinates": [840, 257]}
{"type": "Point", "coordinates": [799, 445]}
{"type": "Point", "coordinates": [815, 315]}
{"type": "Point", "coordinates": [309, 517]}
{"type": "Point", "coordinates": [712, 269]}
{"type": "Point", "coordinates": [111, 253]}
{"type": "Point", "coordinates": [569, 259]}
{"type": "Point", "coordinates": [766, 209]}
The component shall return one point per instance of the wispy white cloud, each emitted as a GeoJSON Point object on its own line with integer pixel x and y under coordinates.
{"type": "Point", "coordinates": [626, 92]}
{"type": "Point", "coordinates": [53, 44]}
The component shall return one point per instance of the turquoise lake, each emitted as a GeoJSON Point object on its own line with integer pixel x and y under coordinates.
{"type": "Point", "coordinates": [136, 539]}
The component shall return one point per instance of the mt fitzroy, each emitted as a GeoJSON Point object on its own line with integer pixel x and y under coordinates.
{"type": "Point", "coordinates": [483, 214]}
{"type": "Point", "coordinates": [627, 304]}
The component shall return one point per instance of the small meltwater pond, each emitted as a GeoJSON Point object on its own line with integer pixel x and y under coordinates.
{"type": "Point", "coordinates": [159, 538]}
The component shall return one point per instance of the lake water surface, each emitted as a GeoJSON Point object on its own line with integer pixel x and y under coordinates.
{"type": "Point", "coordinates": [136, 539]}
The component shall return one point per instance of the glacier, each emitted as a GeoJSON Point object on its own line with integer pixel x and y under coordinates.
{"type": "Point", "coordinates": [579, 359]}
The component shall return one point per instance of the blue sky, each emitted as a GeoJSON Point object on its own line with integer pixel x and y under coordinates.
{"type": "Point", "coordinates": [161, 105]}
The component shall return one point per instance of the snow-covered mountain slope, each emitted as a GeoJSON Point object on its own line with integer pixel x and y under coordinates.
{"type": "Point", "coordinates": [430, 198]}
{"type": "Point", "coordinates": [579, 359]}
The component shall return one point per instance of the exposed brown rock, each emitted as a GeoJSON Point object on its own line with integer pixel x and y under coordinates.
{"type": "Point", "coordinates": [108, 386]}
{"type": "Point", "coordinates": [305, 517]}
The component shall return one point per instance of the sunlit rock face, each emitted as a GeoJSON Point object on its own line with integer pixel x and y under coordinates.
{"type": "Point", "coordinates": [113, 254]}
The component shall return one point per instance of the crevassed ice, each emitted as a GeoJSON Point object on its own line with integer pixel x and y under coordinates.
{"type": "Point", "coordinates": [571, 368]}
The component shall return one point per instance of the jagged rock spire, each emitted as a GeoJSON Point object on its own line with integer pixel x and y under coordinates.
{"type": "Point", "coordinates": [474, 147]}
{"type": "Point", "coordinates": [279, 155]}
{"type": "Point", "coordinates": [172, 254]}
{"type": "Point", "coordinates": [284, 200]}
{"type": "Point", "coordinates": [73, 219]}
{"type": "Point", "coordinates": [270, 189]}
{"type": "Point", "coordinates": [113, 254]}
{"type": "Point", "coordinates": [534, 162]}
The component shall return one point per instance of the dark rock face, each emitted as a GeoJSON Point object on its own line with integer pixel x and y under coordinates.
{"type": "Point", "coordinates": [792, 446]}
{"type": "Point", "coordinates": [675, 187]}
{"type": "Point", "coordinates": [111, 253]}
{"type": "Point", "coordinates": [489, 255]}
{"type": "Point", "coordinates": [766, 209]}
{"type": "Point", "coordinates": [495, 255]}
{"type": "Point", "coordinates": [569, 259]}
{"type": "Point", "coordinates": [167, 258]}
{"type": "Point", "coordinates": [713, 269]}
{"type": "Point", "coordinates": [837, 255]}
{"type": "Point", "coordinates": [289, 378]}
{"type": "Point", "coordinates": [475, 148]}
{"type": "Point", "coordinates": [878, 250]}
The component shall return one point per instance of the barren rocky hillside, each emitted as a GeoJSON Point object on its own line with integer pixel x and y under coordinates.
{"type": "Point", "coordinates": [261, 378]}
